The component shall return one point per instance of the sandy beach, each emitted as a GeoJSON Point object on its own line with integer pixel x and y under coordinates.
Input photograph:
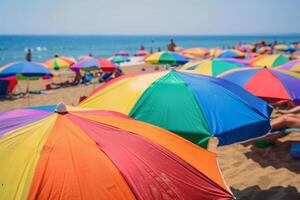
{"type": "Point", "coordinates": [250, 172]}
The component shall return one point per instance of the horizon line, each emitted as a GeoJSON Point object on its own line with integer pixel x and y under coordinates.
{"type": "Point", "coordinates": [241, 34]}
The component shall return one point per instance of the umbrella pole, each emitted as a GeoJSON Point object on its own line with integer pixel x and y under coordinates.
{"type": "Point", "coordinates": [28, 92]}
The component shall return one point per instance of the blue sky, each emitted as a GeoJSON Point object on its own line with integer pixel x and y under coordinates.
{"type": "Point", "coordinates": [154, 17]}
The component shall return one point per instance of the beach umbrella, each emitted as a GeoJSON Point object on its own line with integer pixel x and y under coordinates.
{"type": "Point", "coordinates": [93, 64]}
{"type": "Point", "coordinates": [214, 67]}
{"type": "Point", "coordinates": [193, 106]}
{"type": "Point", "coordinates": [25, 69]}
{"type": "Point", "coordinates": [269, 61]}
{"type": "Point", "coordinates": [244, 47]}
{"type": "Point", "coordinates": [280, 47]}
{"type": "Point", "coordinates": [178, 48]}
{"type": "Point", "coordinates": [232, 53]}
{"type": "Point", "coordinates": [141, 53]}
{"type": "Point", "coordinates": [59, 63]}
{"type": "Point", "coordinates": [122, 53]}
{"type": "Point", "coordinates": [293, 65]}
{"type": "Point", "coordinates": [264, 49]}
{"type": "Point", "coordinates": [84, 57]}
{"type": "Point", "coordinates": [119, 59]}
{"type": "Point", "coordinates": [290, 49]}
{"type": "Point", "coordinates": [197, 52]}
{"type": "Point", "coordinates": [71, 153]}
{"type": "Point", "coordinates": [271, 85]}
{"type": "Point", "coordinates": [215, 52]}
{"type": "Point", "coordinates": [166, 57]}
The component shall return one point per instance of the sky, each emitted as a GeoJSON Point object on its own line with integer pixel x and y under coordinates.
{"type": "Point", "coordinates": [149, 17]}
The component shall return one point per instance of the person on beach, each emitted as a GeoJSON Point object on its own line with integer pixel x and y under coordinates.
{"type": "Point", "coordinates": [289, 120]}
{"type": "Point", "coordinates": [171, 46]}
{"type": "Point", "coordinates": [142, 48]}
{"type": "Point", "coordinates": [56, 55]}
{"type": "Point", "coordinates": [28, 55]}
{"type": "Point", "coordinates": [294, 110]}
{"type": "Point", "coordinates": [77, 78]}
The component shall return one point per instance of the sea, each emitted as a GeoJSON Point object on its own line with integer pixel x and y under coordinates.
{"type": "Point", "coordinates": [13, 47]}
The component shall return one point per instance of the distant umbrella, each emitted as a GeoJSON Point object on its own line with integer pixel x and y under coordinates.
{"type": "Point", "coordinates": [270, 84]}
{"type": "Point", "coordinates": [26, 69]}
{"type": "Point", "coordinates": [213, 67]}
{"type": "Point", "coordinates": [141, 53]}
{"type": "Point", "coordinates": [119, 59]}
{"type": "Point", "coordinates": [177, 48]}
{"type": "Point", "coordinates": [231, 54]}
{"type": "Point", "coordinates": [93, 64]}
{"type": "Point", "coordinates": [59, 63]}
{"type": "Point", "coordinates": [166, 57]}
{"type": "Point", "coordinates": [269, 61]}
{"type": "Point", "coordinates": [196, 52]}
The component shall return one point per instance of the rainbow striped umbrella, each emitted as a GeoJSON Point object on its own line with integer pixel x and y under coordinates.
{"type": "Point", "coordinates": [166, 57]}
{"type": "Point", "coordinates": [213, 67]}
{"type": "Point", "coordinates": [269, 61]}
{"type": "Point", "coordinates": [186, 104]}
{"type": "Point", "coordinates": [84, 154]}
{"type": "Point", "coordinates": [232, 53]}
{"type": "Point", "coordinates": [293, 65]}
{"type": "Point", "coordinates": [271, 85]}
{"type": "Point", "coordinates": [94, 63]}
{"type": "Point", "coordinates": [197, 52]}
{"type": "Point", "coordinates": [26, 69]}
{"type": "Point", "coordinates": [215, 52]}
{"type": "Point", "coordinates": [264, 49]}
{"type": "Point", "coordinates": [177, 48]}
{"type": "Point", "coordinates": [280, 47]}
{"type": "Point", "coordinates": [60, 63]}
{"type": "Point", "coordinates": [141, 53]}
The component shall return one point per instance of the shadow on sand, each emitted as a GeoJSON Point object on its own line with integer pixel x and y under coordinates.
{"type": "Point", "coordinates": [274, 193]}
{"type": "Point", "coordinates": [277, 156]}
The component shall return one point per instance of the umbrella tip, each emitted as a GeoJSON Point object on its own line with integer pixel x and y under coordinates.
{"type": "Point", "coordinates": [61, 108]}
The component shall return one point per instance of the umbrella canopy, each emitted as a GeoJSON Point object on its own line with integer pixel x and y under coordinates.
{"type": "Point", "coordinates": [197, 52]}
{"type": "Point", "coordinates": [119, 59]}
{"type": "Point", "coordinates": [177, 48]}
{"type": "Point", "coordinates": [215, 52]}
{"type": "Point", "coordinates": [84, 57]}
{"type": "Point", "coordinates": [280, 47]}
{"type": "Point", "coordinates": [141, 53]}
{"type": "Point", "coordinates": [264, 49]}
{"type": "Point", "coordinates": [26, 69]}
{"type": "Point", "coordinates": [94, 63]}
{"type": "Point", "coordinates": [83, 154]}
{"type": "Point", "coordinates": [269, 61]}
{"type": "Point", "coordinates": [187, 104]}
{"type": "Point", "coordinates": [122, 53]}
{"type": "Point", "coordinates": [231, 54]}
{"type": "Point", "coordinates": [60, 63]}
{"type": "Point", "coordinates": [270, 84]}
{"type": "Point", "coordinates": [213, 67]}
{"type": "Point", "coordinates": [166, 57]}
{"type": "Point", "coordinates": [293, 65]}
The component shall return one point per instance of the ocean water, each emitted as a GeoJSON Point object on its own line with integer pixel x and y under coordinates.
{"type": "Point", "coordinates": [12, 48]}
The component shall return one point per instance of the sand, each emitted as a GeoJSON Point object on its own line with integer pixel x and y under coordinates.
{"type": "Point", "coordinates": [250, 172]}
